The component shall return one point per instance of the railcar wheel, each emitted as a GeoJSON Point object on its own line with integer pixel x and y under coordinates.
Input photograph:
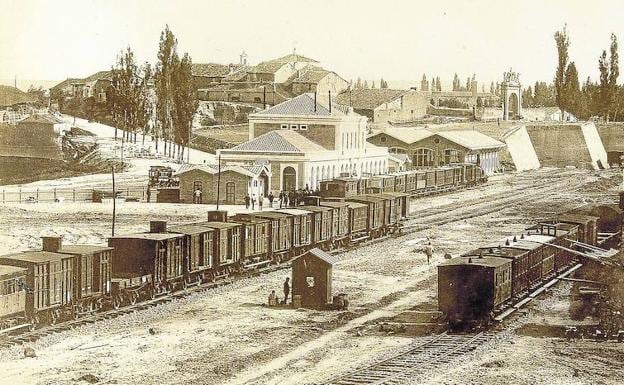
{"type": "Point", "coordinates": [134, 298]}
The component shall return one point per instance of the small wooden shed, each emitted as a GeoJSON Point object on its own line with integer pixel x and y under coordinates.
{"type": "Point", "coordinates": [312, 278]}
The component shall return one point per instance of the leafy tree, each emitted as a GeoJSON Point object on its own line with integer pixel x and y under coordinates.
{"type": "Point", "coordinates": [185, 101]}
{"type": "Point", "coordinates": [562, 41]}
{"type": "Point", "coordinates": [164, 86]}
{"type": "Point", "coordinates": [373, 84]}
{"type": "Point", "coordinates": [438, 84]}
{"type": "Point", "coordinates": [492, 89]}
{"type": "Point", "coordinates": [572, 90]}
{"type": "Point", "coordinates": [365, 85]}
{"type": "Point", "coordinates": [527, 97]}
{"type": "Point", "coordinates": [358, 83]}
{"type": "Point", "coordinates": [609, 72]}
{"type": "Point", "coordinates": [468, 84]}
{"type": "Point", "coordinates": [456, 83]}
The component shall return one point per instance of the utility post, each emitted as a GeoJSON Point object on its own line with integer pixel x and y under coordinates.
{"type": "Point", "coordinates": [218, 179]}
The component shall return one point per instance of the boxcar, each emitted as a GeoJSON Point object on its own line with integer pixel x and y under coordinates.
{"type": "Point", "coordinates": [430, 179]}
{"type": "Point", "coordinates": [519, 266]}
{"type": "Point", "coordinates": [340, 220]}
{"type": "Point", "coordinates": [226, 246]}
{"type": "Point", "coordinates": [280, 233]}
{"type": "Point", "coordinates": [339, 187]}
{"type": "Point", "coordinates": [12, 295]}
{"type": "Point", "coordinates": [255, 239]}
{"type": "Point", "coordinates": [322, 235]}
{"type": "Point", "coordinates": [400, 181]}
{"type": "Point", "coordinates": [92, 274]}
{"type": "Point", "coordinates": [301, 229]}
{"type": "Point", "coordinates": [380, 183]}
{"type": "Point", "coordinates": [49, 281]}
{"type": "Point", "coordinates": [197, 253]}
{"type": "Point", "coordinates": [422, 180]}
{"type": "Point", "coordinates": [411, 182]}
{"type": "Point", "coordinates": [470, 288]}
{"type": "Point", "coordinates": [588, 226]}
{"type": "Point", "coordinates": [401, 202]}
{"type": "Point", "coordinates": [564, 235]}
{"type": "Point", "coordinates": [358, 221]}
{"type": "Point", "coordinates": [146, 264]}
{"type": "Point", "coordinates": [375, 213]}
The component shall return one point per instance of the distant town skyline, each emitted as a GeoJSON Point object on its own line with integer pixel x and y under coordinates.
{"type": "Point", "coordinates": [46, 41]}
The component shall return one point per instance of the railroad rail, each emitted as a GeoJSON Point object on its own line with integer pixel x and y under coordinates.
{"type": "Point", "coordinates": [419, 360]}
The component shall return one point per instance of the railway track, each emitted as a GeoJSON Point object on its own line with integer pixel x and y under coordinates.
{"type": "Point", "coordinates": [431, 217]}
{"type": "Point", "coordinates": [417, 361]}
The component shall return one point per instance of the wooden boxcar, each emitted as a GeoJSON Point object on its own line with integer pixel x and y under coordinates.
{"type": "Point", "coordinates": [227, 246]}
{"type": "Point", "coordinates": [49, 281]}
{"type": "Point", "coordinates": [358, 221]}
{"type": "Point", "coordinates": [92, 274]}
{"type": "Point", "coordinates": [340, 220]}
{"type": "Point", "coordinates": [12, 295]}
{"type": "Point", "coordinates": [411, 182]}
{"type": "Point", "coordinates": [321, 225]}
{"type": "Point", "coordinates": [280, 233]}
{"type": "Point", "coordinates": [430, 179]}
{"type": "Point", "coordinates": [339, 187]}
{"type": "Point", "coordinates": [401, 202]}
{"type": "Point", "coordinates": [255, 237]}
{"type": "Point", "coordinates": [469, 288]}
{"type": "Point", "coordinates": [400, 181]}
{"type": "Point", "coordinates": [301, 229]}
{"type": "Point", "coordinates": [198, 251]}
{"type": "Point", "coordinates": [375, 214]}
{"type": "Point", "coordinates": [588, 226]}
{"type": "Point", "coordinates": [380, 183]}
{"type": "Point", "coordinates": [519, 266]}
{"type": "Point", "coordinates": [146, 264]}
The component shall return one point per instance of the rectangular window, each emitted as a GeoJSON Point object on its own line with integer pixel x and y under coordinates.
{"type": "Point", "coordinates": [303, 127]}
{"type": "Point", "coordinates": [294, 127]}
{"type": "Point", "coordinates": [284, 126]}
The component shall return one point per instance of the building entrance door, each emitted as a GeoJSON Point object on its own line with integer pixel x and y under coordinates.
{"type": "Point", "coordinates": [230, 193]}
{"type": "Point", "coordinates": [289, 179]}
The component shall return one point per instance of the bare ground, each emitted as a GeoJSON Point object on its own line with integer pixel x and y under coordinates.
{"type": "Point", "coordinates": [227, 336]}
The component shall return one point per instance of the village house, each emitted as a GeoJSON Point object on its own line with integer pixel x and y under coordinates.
{"type": "Point", "coordinates": [269, 83]}
{"type": "Point", "coordinates": [207, 74]}
{"type": "Point", "coordinates": [383, 105]}
{"type": "Point", "coordinates": [305, 141]}
{"type": "Point", "coordinates": [234, 184]}
{"type": "Point", "coordinates": [433, 149]}
{"type": "Point", "coordinates": [37, 136]}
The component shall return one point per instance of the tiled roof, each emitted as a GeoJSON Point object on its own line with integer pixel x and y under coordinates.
{"type": "Point", "coordinates": [311, 75]}
{"type": "Point", "coordinates": [302, 105]}
{"type": "Point", "coordinates": [280, 141]}
{"type": "Point", "coordinates": [98, 76]}
{"type": "Point", "coordinates": [368, 99]}
{"type": "Point", "coordinates": [252, 170]}
{"type": "Point", "coordinates": [271, 66]}
{"type": "Point", "coordinates": [472, 140]}
{"type": "Point", "coordinates": [407, 135]}
{"type": "Point", "coordinates": [10, 96]}
{"type": "Point", "coordinates": [238, 75]}
{"type": "Point", "coordinates": [212, 69]}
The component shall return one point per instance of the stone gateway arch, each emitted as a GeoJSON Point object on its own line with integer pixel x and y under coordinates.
{"type": "Point", "coordinates": [511, 93]}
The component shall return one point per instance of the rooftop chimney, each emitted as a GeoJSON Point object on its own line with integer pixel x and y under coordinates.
{"type": "Point", "coordinates": [52, 244]}
{"type": "Point", "coordinates": [330, 107]}
{"type": "Point", "coordinates": [158, 226]}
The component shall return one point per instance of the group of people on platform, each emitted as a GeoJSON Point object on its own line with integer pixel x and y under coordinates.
{"type": "Point", "coordinates": [292, 198]}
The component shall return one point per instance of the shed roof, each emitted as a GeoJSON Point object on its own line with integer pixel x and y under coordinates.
{"type": "Point", "coordinates": [407, 135]}
{"type": "Point", "coordinates": [473, 140]}
{"type": "Point", "coordinates": [368, 99]}
{"type": "Point", "coordinates": [212, 70]}
{"type": "Point", "coordinates": [320, 254]}
{"type": "Point", "coordinates": [42, 118]}
{"type": "Point", "coordinates": [295, 211]}
{"type": "Point", "coordinates": [279, 141]}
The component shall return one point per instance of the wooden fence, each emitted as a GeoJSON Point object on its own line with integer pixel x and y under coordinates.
{"type": "Point", "coordinates": [69, 194]}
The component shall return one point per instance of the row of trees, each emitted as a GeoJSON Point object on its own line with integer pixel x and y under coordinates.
{"type": "Point", "coordinates": [539, 95]}
{"type": "Point", "coordinates": [435, 84]}
{"type": "Point", "coordinates": [160, 102]}
{"type": "Point", "coordinates": [363, 84]}
{"type": "Point", "coordinates": [604, 98]}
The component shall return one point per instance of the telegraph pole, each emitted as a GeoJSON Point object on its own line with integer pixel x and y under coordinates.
{"type": "Point", "coordinates": [218, 179]}
{"type": "Point", "coordinates": [114, 200]}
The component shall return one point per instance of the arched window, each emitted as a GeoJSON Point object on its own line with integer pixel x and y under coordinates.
{"type": "Point", "coordinates": [451, 156]}
{"type": "Point", "coordinates": [423, 157]}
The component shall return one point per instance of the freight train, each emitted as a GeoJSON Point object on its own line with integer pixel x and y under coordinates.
{"type": "Point", "coordinates": [481, 283]}
{"type": "Point", "coordinates": [61, 281]}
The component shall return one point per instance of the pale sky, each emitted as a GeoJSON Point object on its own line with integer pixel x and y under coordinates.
{"type": "Point", "coordinates": [399, 40]}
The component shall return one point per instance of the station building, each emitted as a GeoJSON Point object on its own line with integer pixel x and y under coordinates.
{"type": "Point", "coordinates": [429, 149]}
{"type": "Point", "coordinates": [306, 140]}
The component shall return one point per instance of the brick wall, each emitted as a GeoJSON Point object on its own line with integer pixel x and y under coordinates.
{"type": "Point", "coordinates": [209, 186]}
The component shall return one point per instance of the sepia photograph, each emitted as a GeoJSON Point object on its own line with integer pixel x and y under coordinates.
{"type": "Point", "coordinates": [290, 192]}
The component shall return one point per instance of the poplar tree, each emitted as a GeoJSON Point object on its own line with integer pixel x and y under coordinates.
{"type": "Point", "coordinates": [562, 41]}
{"type": "Point", "coordinates": [164, 87]}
